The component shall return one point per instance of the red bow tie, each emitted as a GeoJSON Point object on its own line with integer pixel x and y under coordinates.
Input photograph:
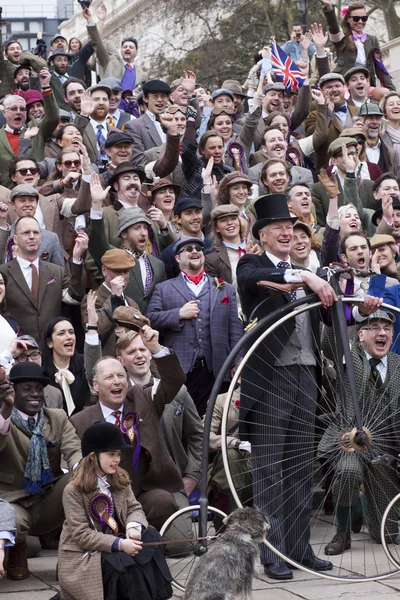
{"type": "Point", "coordinates": [241, 252]}
{"type": "Point", "coordinates": [195, 278]}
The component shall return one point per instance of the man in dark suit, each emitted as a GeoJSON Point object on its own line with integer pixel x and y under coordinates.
{"type": "Point", "coordinates": [31, 476]}
{"type": "Point", "coordinates": [35, 288]}
{"type": "Point", "coordinates": [197, 317]}
{"type": "Point", "coordinates": [146, 132]}
{"type": "Point", "coordinates": [340, 114]}
{"type": "Point", "coordinates": [275, 398]}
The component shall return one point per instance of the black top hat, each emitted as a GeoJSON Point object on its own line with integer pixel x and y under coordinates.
{"type": "Point", "coordinates": [379, 212]}
{"type": "Point", "coordinates": [102, 437]}
{"type": "Point", "coordinates": [127, 167]}
{"type": "Point", "coordinates": [27, 371]}
{"type": "Point", "coordinates": [270, 208]}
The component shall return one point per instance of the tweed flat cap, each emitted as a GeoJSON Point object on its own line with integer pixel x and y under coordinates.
{"type": "Point", "coordinates": [131, 216]}
{"type": "Point", "coordinates": [381, 239]}
{"type": "Point", "coordinates": [231, 179]}
{"type": "Point", "coordinates": [224, 210]}
{"type": "Point", "coordinates": [118, 260]}
{"type": "Point", "coordinates": [330, 77]}
{"type": "Point", "coordinates": [130, 317]}
{"type": "Point", "coordinates": [24, 189]}
{"type": "Point", "coordinates": [353, 70]}
{"type": "Point", "coordinates": [336, 146]}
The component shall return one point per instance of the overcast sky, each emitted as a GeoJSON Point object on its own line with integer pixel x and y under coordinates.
{"type": "Point", "coordinates": [21, 8]}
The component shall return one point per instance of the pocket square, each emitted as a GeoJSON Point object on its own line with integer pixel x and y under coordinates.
{"type": "Point", "coordinates": [51, 281]}
{"type": "Point", "coordinates": [225, 300]}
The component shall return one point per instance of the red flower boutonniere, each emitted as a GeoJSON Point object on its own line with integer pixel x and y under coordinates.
{"type": "Point", "coordinates": [219, 283]}
{"type": "Point", "coordinates": [225, 300]}
{"type": "Point", "coordinates": [44, 256]}
{"type": "Point", "coordinates": [237, 402]}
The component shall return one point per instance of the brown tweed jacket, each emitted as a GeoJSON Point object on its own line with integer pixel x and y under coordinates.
{"type": "Point", "coordinates": [79, 571]}
{"type": "Point", "coordinates": [217, 263]}
{"type": "Point", "coordinates": [14, 448]}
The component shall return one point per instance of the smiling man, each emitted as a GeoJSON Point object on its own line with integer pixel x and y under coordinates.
{"type": "Point", "coordinates": [33, 439]}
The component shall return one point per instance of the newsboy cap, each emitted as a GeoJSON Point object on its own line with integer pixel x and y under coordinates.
{"type": "Point", "coordinates": [156, 85]}
{"type": "Point", "coordinates": [277, 86]}
{"type": "Point", "coordinates": [185, 204]}
{"type": "Point", "coordinates": [129, 217]}
{"type": "Point", "coordinates": [224, 210]}
{"type": "Point", "coordinates": [383, 239]}
{"type": "Point", "coordinates": [112, 82]}
{"type": "Point", "coordinates": [185, 240]}
{"type": "Point", "coordinates": [115, 138]}
{"type": "Point", "coordinates": [102, 87]}
{"type": "Point", "coordinates": [330, 77]}
{"type": "Point", "coordinates": [222, 92]}
{"type": "Point", "coordinates": [118, 260]}
{"type": "Point", "coordinates": [336, 146]}
{"type": "Point", "coordinates": [353, 70]}
{"type": "Point", "coordinates": [24, 189]}
{"type": "Point", "coordinates": [55, 37]}
{"type": "Point", "coordinates": [130, 318]}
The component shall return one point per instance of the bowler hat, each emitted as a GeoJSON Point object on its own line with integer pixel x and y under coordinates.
{"type": "Point", "coordinates": [129, 217]}
{"type": "Point", "coordinates": [359, 69]}
{"type": "Point", "coordinates": [271, 208]}
{"type": "Point", "coordinates": [336, 146]}
{"type": "Point", "coordinates": [185, 203]}
{"type": "Point", "coordinates": [130, 318]}
{"type": "Point", "coordinates": [156, 85]}
{"type": "Point", "coordinates": [369, 109]}
{"type": "Point", "coordinates": [163, 183]}
{"type": "Point", "coordinates": [379, 212]}
{"type": "Point", "coordinates": [116, 137]}
{"type": "Point", "coordinates": [118, 260]}
{"type": "Point", "coordinates": [24, 189]}
{"type": "Point", "coordinates": [27, 371]}
{"type": "Point", "coordinates": [103, 437]}
{"type": "Point", "coordinates": [126, 167]}
{"type": "Point", "coordinates": [183, 241]}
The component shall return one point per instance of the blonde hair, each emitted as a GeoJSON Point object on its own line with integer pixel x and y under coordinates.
{"type": "Point", "coordinates": [84, 478]}
{"type": "Point", "coordinates": [124, 341]}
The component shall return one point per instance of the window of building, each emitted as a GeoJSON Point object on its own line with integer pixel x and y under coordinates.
{"type": "Point", "coordinates": [17, 26]}
{"type": "Point", "coordinates": [35, 26]}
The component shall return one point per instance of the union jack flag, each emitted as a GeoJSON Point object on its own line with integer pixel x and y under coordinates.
{"type": "Point", "coordinates": [285, 69]}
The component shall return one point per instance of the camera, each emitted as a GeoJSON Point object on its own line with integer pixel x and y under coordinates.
{"type": "Point", "coordinates": [85, 3]}
{"type": "Point", "coordinates": [298, 35]}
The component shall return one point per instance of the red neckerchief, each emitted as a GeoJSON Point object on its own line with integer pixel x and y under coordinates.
{"type": "Point", "coordinates": [195, 278]}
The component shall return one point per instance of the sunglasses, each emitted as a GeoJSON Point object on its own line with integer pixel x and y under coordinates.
{"type": "Point", "coordinates": [363, 19]}
{"type": "Point", "coordinates": [70, 163]}
{"type": "Point", "coordinates": [31, 170]}
{"type": "Point", "coordinates": [196, 248]}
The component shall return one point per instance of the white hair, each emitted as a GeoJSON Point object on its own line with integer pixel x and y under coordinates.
{"type": "Point", "coordinates": [10, 98]}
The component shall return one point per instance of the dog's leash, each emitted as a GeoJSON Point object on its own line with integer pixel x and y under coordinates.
{"type": "Point", "coordinates": [198, 539]}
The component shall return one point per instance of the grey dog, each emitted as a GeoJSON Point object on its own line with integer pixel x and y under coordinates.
{"type": "Point", "coordinates": [226, 571]}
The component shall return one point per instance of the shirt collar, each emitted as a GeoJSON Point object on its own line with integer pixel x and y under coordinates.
{"type": "Point", "coordinates": [108, 411]}
{"type": "Point", "coordinates": [384, 359]}
{"type": "Point", "coordinates": [242, 246]}
{"type": "Point", "coordinates": [25, 264]}
{"type": "Point", "coordinates": [102, 123]}
{"type": "Point", "coordinates": [187, 280]}
{"type": "Point", "coordinates": [11, 130]}
{"type": "Point", "coordinates": [150, 114]}
{"type": "Point", "coordinates": [276, 260]}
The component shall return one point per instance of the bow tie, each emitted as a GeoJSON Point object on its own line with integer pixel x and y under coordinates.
{"type": "Point", "coordinates": [342, 109]}
{"type": "Point", "coordinates": [359, 36]}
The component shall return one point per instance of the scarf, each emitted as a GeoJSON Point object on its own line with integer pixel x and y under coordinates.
{"type": "Point", "coordinates": [64, 378]}
{"type": "Point", "coordinates": [195, 278]}
{"type": "Point", "coordinates": [37, 469]}
{"type": "Point", "coordinates": [394, 135]}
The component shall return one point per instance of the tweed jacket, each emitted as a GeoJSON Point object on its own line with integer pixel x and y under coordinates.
{"type": "Point", "coordinates": [346, 58]}
{"type": "Point", "coordinates": [50, 249]}
{"type": "Point", "coordinates": [103, 302]}
{"type": "Point", "coordinates": [7, 69]}
{"type": "Point", "coordinates": [53, 280]}
{"type": "Point", "coordinates": [166, 160]}
{"type": "Point", "coordinates": [62, 441]}
{"type": "Point", "coordinates": [58, 91]}
{"type": "Point", "coordinates": [82, 541]}
{"type": "Point", "coordinates": [7, 517]}
{"type": "Point", "coordinates": [110, 61]}
{"type": "Point", "coordinates": [297, 175]}
{"type": "Point", "coordinates": [89, 136]}
{"type": "Point", "coordinates": [162, 472]}
{"type": "Point", "coordinates": [53, 397]}
{"type": "Point", "coordinates": [217, 263]}
{"type": "Point", "coordinates": [144, 135]}
{"type": "Point", "coordinates": [225, 327]}
{"type": "Point", "coordinates": [334, 130]}
{"type": "Point", "coordinates": [233, 418]}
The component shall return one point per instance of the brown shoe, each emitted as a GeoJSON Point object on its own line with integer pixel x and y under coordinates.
{"type": "Point", "coordinates": [339, 543]}
{"type": "Point", "coordinates": [17, 562]}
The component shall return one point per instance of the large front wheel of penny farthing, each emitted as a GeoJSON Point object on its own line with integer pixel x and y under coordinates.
{"type": "Point", "coordinates": [307, 469]}
{"type": "Point", "coordinates": [390, 523]}
{"type": "Point", "coordinates": [182, 561]}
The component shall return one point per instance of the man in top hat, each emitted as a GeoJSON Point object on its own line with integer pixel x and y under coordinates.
{"type": "Point", "coordinates": [146, 132]}
{"type": "Point", "coordinates": [340, 114]}
{"type": "Point", "coordinates": [33, 439]}
{"type": "Point", "coordinates": [59, 61]}
{"type": "Point", "coordinates": [116, 267]}
{"type": "Point", "coordinates": [377, 151]}
{"type": "Point", "coordinates": [197, 317]}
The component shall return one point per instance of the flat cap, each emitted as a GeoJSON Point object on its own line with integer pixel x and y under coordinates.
{"type": "Point", "coordinates": [59, 52]}
{"type": "Point", "coordinates": [369, 109]}
{"type": "Point", "coordinates": [336, 145]}
{"type": "Point", "coordinates": [185, 240]}
{"type": "Point", "coordinates": [303, 226]}
{"type": "Point", "coordinates": [29, 340]}
{"type": "Point", "coordinates": [277, 86]}
{"type": "Point", "coordinates": [19, 68]}
{"type": "Point", "coordinates": [118, 260]}
{"type": "Point", "coordinates": [55, 37]}
{"type": "Point", "coordinates": [381, 239]}
{"type": "Point", "coordinates": [129, 217]}
{"type": "Point", "coordinates": [156, 85]}
{"type": "Point", "coordinates": [102, 87]}
{"type": "Point", "coordinates": [234, 86]}
{"type": "Point", "coordinates": [185, 204]}
{"type": "Point", "coordinates": [176, 83]}
{"type": "Point", "coordinates": [353, 70]}
{"type": "Point", "coordinates": [24, 189]}
{"type": "Point", "coordinates": [330, 77]}
{"type": "Point", "coordinates": [224, 210]}
{"type": "Point", "coordinates": [130, 318]}
{"type": "Point", "coordinates": [117, 137]}
{"type": "Point", "coordinates": [222, 92]}
{"type": "Point", "coordinates": [65, 114]}
{"type": "Point", "coordinates": [112, 82]}
{"type": "Point", "coordinates": [232, 179]}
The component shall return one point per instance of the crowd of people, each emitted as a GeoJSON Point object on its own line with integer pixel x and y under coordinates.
{"type": "Point", "coordinates": [136, 219]}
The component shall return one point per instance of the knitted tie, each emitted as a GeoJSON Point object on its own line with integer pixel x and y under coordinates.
{"type": "Point", "coordinates": [374, 362]}
{"type": "Point", "coordinates": [101, 140]}
{"type": "Point", "coordinates": [117, 415]}
{"type": "Point", "coordinates": [285, 265]}
{"type": "Point", "coordinates": [35, 283]}
{"type": "Point", "coordinates": [149, 273]}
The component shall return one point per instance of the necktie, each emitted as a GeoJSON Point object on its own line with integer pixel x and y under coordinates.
{"type": "Point", "coordinates": [195, 278]}
{"type": "Point", "coordinates": [117, 415]}
{"type": "Point", "coordinates": [31, 424]}
{"type": "Point", "coordinates": [241, 251]}
{"type": "Point", "coordinates": [374, 362]}
{"type": "Point", "coordinates": [285, 265]}
{"type": "Point", "coordinates": [359, 36]}
{"type": "Point", "coordinates": [35, 283]}
{"type": "Point", "coordinates": [128, 66]}
{"type": "Point", "coordinates": [149, 273]}
{"type": "Point", "coordinates": [101, 140]}
{"type": "Point", "coordinates": [342, 109]}
{"type": "Point", "coordinates": [111, 121]}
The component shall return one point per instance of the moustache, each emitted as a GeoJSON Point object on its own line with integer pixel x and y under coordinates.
{"type": "Point", "coordinates": [133, 186]}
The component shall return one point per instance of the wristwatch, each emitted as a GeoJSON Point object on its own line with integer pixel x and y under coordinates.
{"type": "Point", "coordinates": [91, 327]}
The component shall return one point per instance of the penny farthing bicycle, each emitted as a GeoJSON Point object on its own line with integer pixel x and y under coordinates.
{"type": "Point", "coordinates": [359, 427]}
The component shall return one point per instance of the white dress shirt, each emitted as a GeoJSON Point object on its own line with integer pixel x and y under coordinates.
{"type": "Point", "coordinates": [374, 154]}
{"type": "Point", "coordinates": [291, 275]}
{"type": "Point", "coordinates": [107, 413]}
{"type": "Point", "coordinates": [196, 289]}
{"type": "Point", "coordinates": [361, 59]}
{"type": "Point", "coordinates": [380, 367]}
{"type": "Point", "coordinates": [26, 269]}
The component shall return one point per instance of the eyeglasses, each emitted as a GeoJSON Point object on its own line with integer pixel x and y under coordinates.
{"type": "Point", "coordinates": [16, 109]}
{"type": "Point", "coordinates": [378, 328]}
{"type": "Point", "coordinates": [25, 357]}
{"type": "Point", "coordinates": [360, 141]}
{"type": "Point", "coordinates": [196, 248]}
{"type": "Point", "coordinates": [356, 19]}
{"type": "Point", "coordinates": [31, 170]}
{"type": "Point", "coordinates": [70, 163]}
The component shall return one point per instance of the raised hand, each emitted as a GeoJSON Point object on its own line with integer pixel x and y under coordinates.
{"type": "Point", "coordinates": [150, 339]}
{"type": "Point", "coordinates": [206, 173]}
{"type": "Point", "coordinates": [318, 36]}
{"type": "Point", "coordinates": [31, 132]}
{"type": "Point", "coordinates": [87, 104]}
{"type": "Point", "coordinates": [387, 208]}
{"type": "Point", "coordinates": [157, 216]}
{"type": "Point", "coordinates": [326, 4]}
{"type": "Point", "coordinates": [93, 317]}
{"type": "Point", "coordinates": [84, 158]}
{"type": "Point", "coordinates": [330, 184]}
{"type": "Point", "coordinates": [305, 40]}
{"type": "Point", "coordinates": [81, 245]}
{"type": "Point", "coordinates": [3, 213]}
{"type": "Point", "coordinates": [349, 162]}
{"type": "Point", "coordinates": [318, 96]}
{"type": "Point", "coordinates": [44, 77]}
{"type": "Point", "coordinates": [97, 192]}
{"type": "Point", "coordinates": [6, 395]}
{"type": "Point", "coordinates": [188, 81]}
{"type": "Point", "coordinates": [167, 120]}
{"type": "Point", "coordinates": [101, 12]}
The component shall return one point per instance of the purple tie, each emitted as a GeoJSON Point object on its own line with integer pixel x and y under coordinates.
{"type": "Point", "coordinates": [149, 273]}
{"type": "Point", "coordinates": [358, 36]}
{"type": "Point", "coordinates": [101, 140]}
